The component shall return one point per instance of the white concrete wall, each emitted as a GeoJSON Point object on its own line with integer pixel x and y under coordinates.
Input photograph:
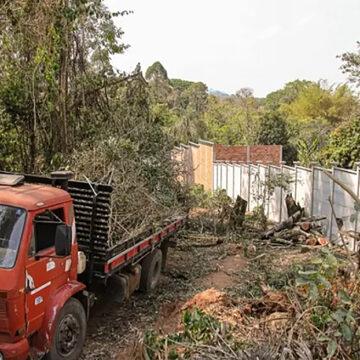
{"type": "Point", "coordinates": [312, 188]}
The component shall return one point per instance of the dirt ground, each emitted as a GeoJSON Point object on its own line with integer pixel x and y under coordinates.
{"type": "Point", "coordinates": [114, 329]}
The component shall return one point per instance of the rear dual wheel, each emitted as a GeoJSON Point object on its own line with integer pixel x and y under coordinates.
{"type": "Point", "coordinates": [151, 270]}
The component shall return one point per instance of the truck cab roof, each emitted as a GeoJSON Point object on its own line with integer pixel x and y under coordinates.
{"type": "Point", "coordinates": [32, 196]}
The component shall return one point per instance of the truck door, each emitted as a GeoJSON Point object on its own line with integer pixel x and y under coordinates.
{"type": "Point", "coordinates": [44, 272]}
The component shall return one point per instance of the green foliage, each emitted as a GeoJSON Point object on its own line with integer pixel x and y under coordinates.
{"type": "Point", "coordinates": [351, 65]}
{"type": "Point", "coordinates": [180, 85]}
{"type": "Point", "coordinates": [287, 95]}
{"type": "Point", "coordinates": [307, 152]}
{"type": "Point", "coordinates": [200, 331]}
{"type": "Point", "coordinates": [56, 75]}
{"type": "Point", "coordinates": [156, 71]}
{"type": "Point", "coordinates": [333, 312]}
{"type": "Point", "coordinates": [272, 130]}
{"type": "Point", "coordinates": [344, 144]}
{"type": "Point", "coordinates": [199, 197]}
{"type": "Point", "coordinates": [319, 101]}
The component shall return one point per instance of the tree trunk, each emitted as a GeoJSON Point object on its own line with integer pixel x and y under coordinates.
{"type": "Point", "coordinates": [286, 224]}
{"type": "Point", "coordinates": [237, 215]}
{"type": "Point", "coordinates": [63, 84]}
{"type": "Point", "coordinates": [291, 205]}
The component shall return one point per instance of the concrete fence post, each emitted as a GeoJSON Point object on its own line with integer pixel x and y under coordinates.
{"type": "Point", "coordinates": [296, 164]}
{"type": "Point", "coordinates": [259, 180]}
{"type": "Point", "coordinates": [249, 184]}
{"type": "Point", "coordinates": [282, 163]}
{"type": "Point", "coordinates": [233, 190]}
{"type": "Point", "coordinates": [241, 172]}
{"type": "Point", "coordinates": [312, 165]}
{"type": "Point", "coordinates": [267, 180]}
{"type": "Point", "coordinates": [332, 196]}
{"type": "Point", "coordinates": [357, 164]}
{"type": "Point", "coordinates": [227, 178]}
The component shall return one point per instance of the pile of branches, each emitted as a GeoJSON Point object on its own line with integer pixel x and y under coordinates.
{"type": "Point", "coordinates": [297, 228]}
{"type": "Point", "coordinates": [215, 212]}
{"type": "Point", "coordinates": [132, 153]}
{"type": "Point", "coordinates": [145, 193]}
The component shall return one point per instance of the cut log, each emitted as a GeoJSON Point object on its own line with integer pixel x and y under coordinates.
{"type": "Point", "coordinates": [291, 206]}
{"type": "Point", "coordinates": [289, 234]}
{"type": "Point", "coordinates": [286, 224]}
{"type": "Point", "coordinates": [313, 218]}
{"type": "Point", "coordinates": [305, 225]}
{"type": "Point", "coordinates": [281, 241]}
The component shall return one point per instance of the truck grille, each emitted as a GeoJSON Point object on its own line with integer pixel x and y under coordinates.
{"type": "Point", "coordinates": [3, 308]}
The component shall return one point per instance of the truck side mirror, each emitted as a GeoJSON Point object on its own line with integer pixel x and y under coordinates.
{"type": "Point", "coordinates": [63, 240]}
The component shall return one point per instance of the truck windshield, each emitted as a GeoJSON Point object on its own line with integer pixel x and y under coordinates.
{"type": "Point", "coordinates": [12, 220]}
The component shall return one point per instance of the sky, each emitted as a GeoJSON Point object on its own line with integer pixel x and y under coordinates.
{"type": "Point", "coordinates": [230, 44]}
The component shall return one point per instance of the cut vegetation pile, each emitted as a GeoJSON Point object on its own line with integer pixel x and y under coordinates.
{"type": "Point", "coordinates": [143, 176]}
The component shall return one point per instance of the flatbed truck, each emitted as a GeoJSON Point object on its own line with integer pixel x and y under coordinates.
{"type": "Point", "coordinates": [54, 249]}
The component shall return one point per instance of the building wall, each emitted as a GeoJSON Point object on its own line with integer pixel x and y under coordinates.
{"type": "Point", "coordinates": [195, 165]}
{"type": "Point", "coordinates": [249, 153]}
{"type": "Point", "coordinates": [197, 160]}
{"type": "Point", "coordinates": [205, 169]}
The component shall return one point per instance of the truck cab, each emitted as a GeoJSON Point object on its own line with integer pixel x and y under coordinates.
{"type": "Point", "coordinates": [38, 268]}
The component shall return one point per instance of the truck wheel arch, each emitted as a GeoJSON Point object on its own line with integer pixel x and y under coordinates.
{"type": "Point", "coordinates": [54, 306]}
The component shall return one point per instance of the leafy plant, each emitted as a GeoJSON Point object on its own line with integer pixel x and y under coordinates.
{"type": "Point", "coordinates": [200, 331]}
{"type": "Point", "coordinates": [330, 301]}
{"type": "Point", "coordinates": [307, 151]}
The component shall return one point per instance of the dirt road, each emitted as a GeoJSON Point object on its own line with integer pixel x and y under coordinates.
{"type": "Point", "coordinates": [114, 327]}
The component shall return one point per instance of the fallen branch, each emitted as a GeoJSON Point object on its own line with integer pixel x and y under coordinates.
{"type": "Point", "coordinates": [344, 187]}
{"type": "Point", "coordinates": [342, 237]}
{"type": "Point", "coordinates": [286, 224]}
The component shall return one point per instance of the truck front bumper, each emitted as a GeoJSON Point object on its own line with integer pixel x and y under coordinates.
{"type": "Point", "coordinates": [15, 351]}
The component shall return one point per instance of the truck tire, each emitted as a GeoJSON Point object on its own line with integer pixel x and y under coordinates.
{"type": "Point", "coordinates": [70, 332]}
{"type": "Point", "coordinates": [164, 249]}
{"type": "Point", "coordinates": [151, 270]}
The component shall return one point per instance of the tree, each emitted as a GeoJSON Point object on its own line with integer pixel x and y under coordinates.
{"type": "Point", "coordinates": [156, 72]}
{"type": "Point", "coordinates": [351, 65]}
{"type": "Point", "coordinates": [221, 121]}
{"type": "Point", "coordinates": [190, 107]}
{"type": "Point", "coordinates": [248, 121]}
{"type": "Point", "coordinates": [307, 151]}
{"type": "Point", "coordinates": [318, 110]}
{"type": "Point", "coordinates": [273, 130]}
{"type": "Point", "coordinates": [320, 101]}
{"type": "Point", "coordinates": [344, 144]}
{"type": "Point", "coordinates": [56, 73]}
{"type": "Point", "coordinates": [180, 85]}
{"type": "Point", "coordinates": [196, 96]}
{"type": "Point", "coordinates": [287, 95]}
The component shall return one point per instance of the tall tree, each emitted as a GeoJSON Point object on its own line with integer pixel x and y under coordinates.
{"type": "Point", "coordinates": [248, 104]}
{"type": "Point", "coordinates": [351, 65]}
{"type": "Point", "coordinates": [344, 144]}
{"type": "Point", "coordinates": [156, 71]}
{"type": "Point", "coordinates": [55, 68]}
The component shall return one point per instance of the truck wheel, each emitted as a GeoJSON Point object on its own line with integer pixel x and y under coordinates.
{"type": "Point", "coordinates": [69, 335]}
{"type": "Point", "coordinates": [164, 249]}
{"type": "Point", "coordinates": [150, 272]}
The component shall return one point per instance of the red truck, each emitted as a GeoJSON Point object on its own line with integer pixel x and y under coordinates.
{"type": "Point", "coordinates": [54, 249]}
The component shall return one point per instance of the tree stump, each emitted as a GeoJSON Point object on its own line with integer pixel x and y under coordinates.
{"type": "Point", "coordinates": [237, 215]}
